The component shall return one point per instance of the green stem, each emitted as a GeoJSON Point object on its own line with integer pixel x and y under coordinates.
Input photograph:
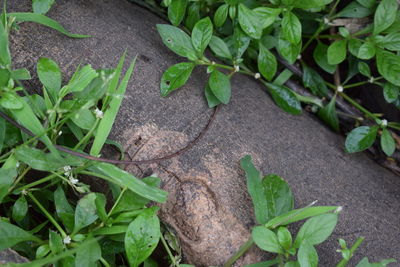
{"type": "Point", "coordinates": [353, 248]}
{"type": "Point", "coordinates": [169, 251]}
{"type": "Point", "coordinates": [243, 249]}
{"type": "Point", "coordinates": [104, 262]}
{"type": "Point", "coordinates": [116, 202]}
{"type": "Point", "coordinates": [19, 179]}
{"type": "Point", "coordinates": [316, 33]}
{"type": "Point", "coordinates": [88, 135]}
{"type": "Point", "coordinates": [360, 83]}
{"type": "Point", "coordinates": [38, 182]}
{"type": "Point", "coordinates": [48, 215]}
{"type": "Point", "coordinates": [358, 106]}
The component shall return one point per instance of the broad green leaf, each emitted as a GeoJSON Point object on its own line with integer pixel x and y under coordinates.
{"type": "Point", "coordinates": [364, 69]}
{"type": "Point", "coordinates": [85, 212]}
{"type": "Point", "coordinates": [21, 74]}
{"type": "Point", "coordinates": [385, 15]}
{"type": "Point", "coordinates": [106, 123]}
{"type": "Point", "coordinates": [5, 57]}
{"type": "Point", "coordinates": [10, 100]}
{"type": "Point", "coordinates": [112, 230]}
{"type": "Point", "coordinates": [176, 11]}
{"type": "Point", "coordinates": [298, 215]}
{"type": "Point", "coordinates": [354, 10]}
{"type": "Point", "coordinates": [50, 76]}
{"type": "Point", "coordinates": [88, 255]}
{"type": "Point", "coordinates": [212, 100]}
{"type": "Point", "coordinates": [11, 235]}
{"type": "Point", "coordinates": [291, 28]}
{"type": "Point", "coordinates": [307, 4]}
{"type": "Point", "coordinates": [142, 237]}
{"type": "Point", "coordinates": [46, 21]}
{"type": "Point", "coordinates": [316, 229]}
{"type": "Point", "coordinates": [354, 46]}
{"type": "Point", "coordinates": [79, 80]}
{"type": "Point", "coordinates": [122, 178]}
{"type": "Point", "coordinates": [267, 64]}
{"type": "Point", "coordinates": [101, 206]}
{"type": "Point", "coordinates": [2, 135]}
{"type": "Point", "coordinates": [177, 40]}
{"type": "Point", "coordinates": [220, 15]}
{"type": "Point", "coordinates": [337, 52]}
{"type": "Point", "coordinates": [365, 263]}
{"type": "Point", "coordinates": [320, 55]}
{"type": "Point", "coordinates": [64, 210]}
{"type": "Point", "coordinates": [220, 86]}
{"type": "Point", "coordinates": [84, 119]}
{"type": "Point", "coordinates": [266, 240]}
{"type": "Point", "coordinates": [42, 6]}
{"type": "Point", "coordinates": [42, 251]}
{"type": "Point", "coordinates": [7, 176]}
{"type": "Point", "coordinates": [284, 98]}
{"type": "Point", "coordinates": [284, 237]}
{"type": "Point", "coordinates": [314, 81]}
{"type": "Point", "coordinates": [55, 242]}
{"type": "Point", "coordinates": [238, 42]}
{"type": "Point", "coordinates": [307, 255]}
{"type": "Point", "coordinates": [256, 190]}
{"type": "Point", "coordinates": [390, 92]}
{"type": "Point", "coordinates": [329, 115]}
{"type": "Point", "coordinates": [367, 3]}
{"type": "Point", "coordinates": [5, 76]}
{"type": "Point", "coordinates": [175, 76]}
{"type": "Point", "coordinates": [193, 15]}
{"type": "Point", "coordinates": [249, 22]}
{"type": "Point", "coordinates": [219, 47]}
{"type": "Point", "coordinates": [361, 138]}
{"type": "Point", "coordinates": [388, 66]}
{"type": "Point", "coordinates": [391, 41]}
{"type": "Point", "coordinates": [278, 195]}
{"type": "Point", "coordinates": [366, 51]}
{"type": "Point", "coordinates": [292, 264]}
{"type": "Point", "coordinates": [287, 50]}
{"type": "Point", "coordinates": [387, 142]}
{"type": "Point", "coordinates": [267, 15]}
{"type": "Point", "coordinates": [201, 35]}
{"type": "Point", "coordinates": [20, 208]}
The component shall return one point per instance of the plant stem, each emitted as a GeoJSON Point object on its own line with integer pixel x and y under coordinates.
{"type": "Point", "coordinates": [48, 215]}
{"type": "Point", "coordinates": [169, 251]}
{"type": "Point", "coordinates": [353, 248]}
{"type": "Point", "coordinates": [360, 83]}
{"type": "Point", "coordinates": [245, 247]}
{"type": "Point", "coordinates": [88, 135]}
{"type": "Point", "coordinates": [38, 182]}
{"type": "Point", "coordinates": [358, 106]}
{"type": "Point", "coordinates": [104, 262]}
{"type": "Point", "coordinates": [19, 179]}
{"type": "Point", "coordinates": [318, 31]}
{"type": "Point", "coordinates": [116, 202]}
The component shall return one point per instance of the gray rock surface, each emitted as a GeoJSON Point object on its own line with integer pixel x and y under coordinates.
{"type": "Point", "coordinates": [10, 256]}
{"type": "Point", "coordinates": [208, 204]}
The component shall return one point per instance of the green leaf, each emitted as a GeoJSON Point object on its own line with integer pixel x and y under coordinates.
{"type": "Point", "coordinates": [391, 41]}
{"type": "Point", "coordinates": [329, 115]}
{"type": "Point", "coordinates": [193, 15]}
{"type": "Point", "coordinates": [317, 229]}
{"type": "Point", "coordinates": [367, 3]}
{"type": "Point", "coordinates": [385, 15]}
{"type": "Point", "coordinates": [291, 28]}
{"type": "Point", "coordinates": [42, 6]}
{"type": "Point", "coordinates": [219, 47]}
{"type": "Point", "coordinates": [20, 208]}
{"type": "Point", "coordinates": [285, 98]}
{"type": "Point", "coordinates": [388, 66]}
{"type": "Point", "coordinates": [9, 100]}
{"type": "Point", "coordinates": [50, 76]}
{"type": "Point", "coordinates": [320, 56]}
{"type": "Point", "coordinates": [365, 263]}
{"type": "Point", "coordinates": [263, 263]}
{"type": "Point", "coordinates": [307, 4]}
{"type": "Point", "coordinates": [256, 190]}
{"type": "Point", "coordinates": [7, 176]}
{"type": "Point", "coordinates": [55, 242]}
{"type": "Point", "coordinates": [122, 178]}
{"type": "Point", "coordinates": [249, 22]}
{"type": "Point", "coordinates": [11, 235]}
{"type": "Point", "coordinates": [354, 46]}
{"type": "Point", "coordinates": [287, 50]}
{"type": "Point", "coordinates": [21, 74]}
{"type": "Point", "coordinates": [337, 52]}
{"type": "Point", "coordinates": [366, 51]}
{"type": "Point", "coordinates": [239, 42]}
{"type": "Point", "coordinates": [314, 81]}
{"type": "Point", "coordinates": [387, 142]}
{"type": "Point", "coordinates": [361, 138]}
{"type": "Point", "coordinates": [42, 19]}
{"type": "Point", "coordinates": [175, 76]}
{"type": "Point", "coordinates": [84, 119]}
{"type": "Point", "coordinates": [85, 212]}
{"type": "Point", "coordinates": [266, 240]}
{"type": "Point", "coordinates": [267, 15]}
{"type": "Point", "coordinates": [88, 255]}
{"type": "Point", "coordinates": [42, 251]}
{"type": "Point", "coordinates": [177, 40]}
{"type": "Point", "coordinates": [201, 35]}
{"type": "Point", "coordinates": [212, 100]}
{"type": "Point", "coordinates": [220, 86]}
{"type": "Point", "coordinates": [284, 237]}
{"type": "Point", "coordinates": [64, 210]}
{"type": "Point", "coordinates": [2, 136]}
{"type": "Point", "coordinates": [101, 206]}
{"type": "Point", "coordinates": [142, 237]}
{"type": "Point", "coordinates": [80, 80]}
{"type": "Point", "coordinates": [354, 10]}
{"type": "Point", "coordinates": [390, 92]}
{"type": "Point", "coordinates": [267, 64]}
{"type": "Point", "coordinates": [307, 255]}
{"type": "Point", "coordinates": [220, 15]}
{"type": "Point", "coordinates": [364, 69]}
{"type": "Point", "coordinates": [5, 76]}
{"type": "Point", "coordinates": [176, 11]}
{"type": "Point", "coordinates": [5, 57]}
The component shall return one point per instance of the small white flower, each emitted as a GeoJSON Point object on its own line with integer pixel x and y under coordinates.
{"type": "Point", "coordinates": [154, 175]}
{"type": "Point", "coordinates": [257, 76]}
{"type": "Point", "coordinates": [384, 122]}
{"type": "Point", "coordinates": [59, 133]}
{"type": "Point", "coordinates": [24, 192]}
{"type": "Point", "coordinates": [236, 68]}
{"type": "Point", "coordinates": [340, 89]}
{"type": "Point", "coordinates": [213, 63]}
{"type": "Point", "coordinates": [299, 57]}
{"type": "Point", "coordinates": [99, 114]}
{"type": "Point", "coordinates": [73, 180]}
{"type": "Point", "coordinates": [326, 21]}
{"type": "Point", "coordinates": [339, 209]}
{"type": "Point", "coordinates": [17, 164]}
{"type": "Point", "coordinates": [371, 80]}
{"type": "Point", "coordinates": [67, 240]}
{"type": "Point", "coordinates": [67, 170]}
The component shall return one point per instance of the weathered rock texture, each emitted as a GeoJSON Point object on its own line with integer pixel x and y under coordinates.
{"type": "Point", "coordinates": [10, 256]}
{"type": "Point", "coordinates": [208, 204]}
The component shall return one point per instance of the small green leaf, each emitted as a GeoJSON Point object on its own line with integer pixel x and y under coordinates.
{"type": "Point", "coordinates": [361, 138]}
{"type": "Point", "coordinates": [329, 115]}
{"type": "Point", "coordinates": [267, 64]}
{"type": "Point", "coordinates": [354, 10]}
{"type": "Point", "coordinates": [387, 142]}
{"type": "Point", "coordinates": [50, 76]}
{"type": "Point", "coordinates": [101, 206]}
{"type": "Point", "coordinates": [11, 235]}
{"type": "Point", "coordinates": [142, 237]}
{"type": "Point", "coordinates": [42, 251]}
{"type": "Point", "coordinates": [364, 69]}
{"type": "Point", "coordinates": [291, 28]}
{"type": "Point", "coordinates": [390, 92]}
{"type": "Point", "coordinates": [5, 57]}
{"type": "Point", "coordinates": [79, 80]}
{"type": "Point", "coordinates": [238, 42]}
{"type": "Point", "coordinates": [266, 240]}
{"type": "Point", "coordinates": [177, 40]}
{"type": "Point", "coordinates": [42, 6]}
{"type": "Point", "coordinates": [64, 210]}
{"type": "Point", "coordinates": [388, 66]}
{"type": "Point", "coordinates": [55, 242]}
{"type": "Point", "coordinates": [193, 15]}
{"type": "Point", "coordinates": [354, 46]}
{"type": "Point", "coordinates": [320, 55]}
{"type": "Point", "coordinates": [366, 51]}
{"type": "Point", "coordinates": [307, 255]}
{"type": "Point", "coordinates": [212, 100]}
{"type": "Point", "coordinates": [20, 209]}
{"type": "Point", "coordinates": [385, 15]}
{"type": "Point", "coordinates": [267, 15]}
{"type": "Point", "coordinates": [7, 176]}
{"type": "Point", "coordinates": [314, 81]}
{"type": "Point", "coordinates": [201, 35]}
{"type": "Point", "coordinates": [176, 11]}
{"type": "Point", "coordinates": [287, 50]}
{"type": "Point", "coordinates": [85, 212]}
{"type": "Point", "coordinates": [220, 15]}
{"type": "Point", "coordinates": [337, 52]}
{"type": "Point", "coordinates": [9, 100]}
{"type": "Point", "coordinates": [219, 47]}
{"type": "Point", "coordinates": [220, 86]}
{"type": "Point", "coordinates": [391, 41]}
{"type": "Point", "coordinates": [307, 4]}
{"type": "Point", "coordinates": [88, 255]}
{"type": "Point", "coordinates": [21, 74]}
{"type": "Point", "coordinates": [249, 22]}
{"type": "Point", "coordinates": [365, 263]}
{"type": "Point", "coordinates": [285, 98]}
{"type": "Point", "coordinates": [367, 3]}
{"type": "Point", "coordinates": [175, 76]}
{"type": "Point", "coordinates": [284, 237]}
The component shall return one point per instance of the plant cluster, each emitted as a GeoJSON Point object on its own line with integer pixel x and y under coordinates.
{"type": "Point", "coordinates": [252, 37]}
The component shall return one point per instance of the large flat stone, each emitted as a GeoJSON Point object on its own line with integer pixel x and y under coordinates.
{"type": "Point", "coordinates": [208, 205]}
